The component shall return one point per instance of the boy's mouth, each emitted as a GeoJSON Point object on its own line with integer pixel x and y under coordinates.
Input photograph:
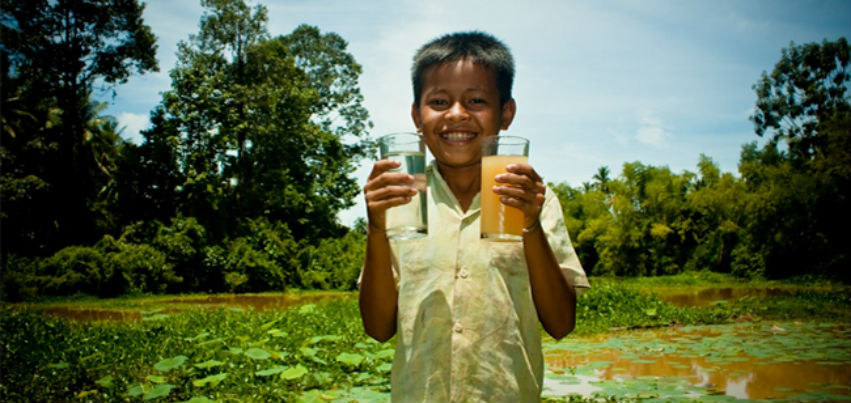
{"type": "Point", "coordinates": [456, 137]}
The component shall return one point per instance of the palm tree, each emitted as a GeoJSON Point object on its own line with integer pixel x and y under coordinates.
{"type": "Point", "coordinates": [602, 178]}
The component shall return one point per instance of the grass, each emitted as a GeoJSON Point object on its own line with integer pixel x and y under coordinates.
{"type": "Point", "coordinates": [312, 352]}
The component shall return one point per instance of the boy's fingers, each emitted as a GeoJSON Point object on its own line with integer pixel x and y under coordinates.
{"type": "Point", "coordinates": [389, 192]}
{"type": "Point", "coordinates": [388, 203]}
{"type": "Point", "coordinates": [382, 166]}
{"type": "Point", "coordinates": [524, 169]}
{"type": "Point", "coordinates": [387, 179]}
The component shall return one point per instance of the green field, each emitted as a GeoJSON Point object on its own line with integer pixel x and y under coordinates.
{"type": "Point", "coordinates": [197, 349]}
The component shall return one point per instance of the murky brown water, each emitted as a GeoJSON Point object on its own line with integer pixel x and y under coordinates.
{"type": "Point", "coordinates": [258, 302]}
{"type": "Point", "coordinates": [742, 376]}
{"type": "Point", "coordinates": [705, 297]}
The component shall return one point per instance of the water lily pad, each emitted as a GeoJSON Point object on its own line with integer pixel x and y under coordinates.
{"type": "Point", "coordinates": [156, 379]}
{"type": "Point", "coordinates": [208, 364]}
{"type": "Point", "coordinates": [271, 371]}
{"type": "Point", "coordinates": [295, 372]}
{"type": "Point", "coordinates": [105, 381]}
{"type": "Point", "coordinates": [169, 364]}
{"type": "Point", "coordinates": [212, 380]}
{"type": "Point", "coordinates": [135, 390]}
{"type": "Point", "coordinates": [199, 399]}
{"type": "Point", "coordinates": [158, 391]}
{"type": "Point", "coordinates": [257, 353]}
{"type": "Point", "coordinates": [350, 359]}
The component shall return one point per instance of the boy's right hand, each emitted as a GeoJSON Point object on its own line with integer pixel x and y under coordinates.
{"type": "Point", "coordinates": [384, 190]}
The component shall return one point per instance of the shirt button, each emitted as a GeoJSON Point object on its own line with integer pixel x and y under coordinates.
{"type": "Point", "coordinates": [463, 273]}
{"type": "Point", "coordinates": [458, 328]}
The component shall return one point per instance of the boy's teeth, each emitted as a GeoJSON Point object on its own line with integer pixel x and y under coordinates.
{"type": "Point", "coordinates": [455, 136]}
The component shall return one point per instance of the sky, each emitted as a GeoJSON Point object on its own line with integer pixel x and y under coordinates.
{"type": "Point", "coordinates": [598, 83]}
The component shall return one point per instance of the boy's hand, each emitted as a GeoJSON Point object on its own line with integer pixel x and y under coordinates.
{"type": "Point", "coordinates": [384, 190]}
{"type": "Point", "coordinates": [524, 190]}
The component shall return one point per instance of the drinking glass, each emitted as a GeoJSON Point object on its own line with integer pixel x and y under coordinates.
{"type": "Point", "coordinates": [500, 222]}
{"type": "Point", "coordinates": [408, 221]}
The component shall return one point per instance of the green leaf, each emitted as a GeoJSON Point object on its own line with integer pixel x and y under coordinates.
{"type": "Point", "coordinates": [257, 353]}
{"type": "Point", "coordinates": [59, 365]}
{"type": "Point", "coordinates": [199, 399]}
{"type": "Point", "coordinates": [307, 309]}
{"type": "Point", "coordinates": [211, 379]}
{"type": "Point", "coordinates": [156, 378]}
{"type": "Point", "coordinates": [385, 354]}
{"type": "Point", "coordinates": [311, 353]}
{"type": "Point", "coordinates": [198, 336]}
{"type": "Point", "coordinates": [208, 364]}
{"type": "Point", "coordinates": [295, 372]}
{"type": "Point", "coordinates": [158, 391]}
{"type": "Point", "coordinates": [350, 359]}
{"type": "Point", "coordinates": [105, 381]}
{"type": "Point", "coordinates": [271, 371]}
{"type": "Point", "coordinates": [135, 390]}
{"type": "Point", "coordinates": [327, 337]}
{"type": "Point", "coordinates": [169, 364]}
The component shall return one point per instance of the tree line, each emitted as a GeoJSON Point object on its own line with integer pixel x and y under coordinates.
{"type": "Point", "coordinates": [237, 184]}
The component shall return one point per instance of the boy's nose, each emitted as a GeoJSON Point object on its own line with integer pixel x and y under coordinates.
{"type": "Point", "coordinates": [457, 112]}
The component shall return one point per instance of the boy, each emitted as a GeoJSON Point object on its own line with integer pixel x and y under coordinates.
{"type": "Point", "coordinates": [466, 310]}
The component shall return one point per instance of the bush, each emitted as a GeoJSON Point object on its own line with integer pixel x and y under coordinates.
{"type": "Point", "coordinates": [335, 263]}
{"type": "Point", "coordinates": [75, 269]}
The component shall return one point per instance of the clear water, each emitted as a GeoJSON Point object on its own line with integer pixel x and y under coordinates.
{"type": "Point", "coordinates": [409, 220]}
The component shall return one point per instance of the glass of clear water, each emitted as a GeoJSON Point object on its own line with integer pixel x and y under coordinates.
{"type": "Point", "coordinates": [408, 221]}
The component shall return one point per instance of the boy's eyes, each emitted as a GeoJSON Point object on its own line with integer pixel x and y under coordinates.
{"type": "Point", "coordinates": [444, 103]}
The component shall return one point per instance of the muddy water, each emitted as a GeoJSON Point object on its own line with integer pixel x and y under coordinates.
{"type": "Point", "coordinates": [705, 297]}
{"type": "Point", "coordinates": [744, 361]}
{"type": "Point", "coordinates": [258, 302]}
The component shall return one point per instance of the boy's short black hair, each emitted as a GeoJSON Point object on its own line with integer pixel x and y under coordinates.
{"type": "Point", "coordinates": [478, 47]}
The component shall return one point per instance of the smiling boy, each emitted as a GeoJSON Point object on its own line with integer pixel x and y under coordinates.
{"type": "Point", "coordinates": [466, 311]}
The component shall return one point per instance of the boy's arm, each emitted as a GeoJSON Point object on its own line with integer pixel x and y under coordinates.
{"type": "Point", "coordinates": [378, 296]}
{"type": "Point", "coordinates": [554, 297]}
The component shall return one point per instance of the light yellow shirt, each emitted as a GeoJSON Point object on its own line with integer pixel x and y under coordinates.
{"type": "Point", "coordinates": [467, 329]}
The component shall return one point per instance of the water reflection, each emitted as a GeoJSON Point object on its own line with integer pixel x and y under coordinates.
{"type": "Point", "coordinates": [705, 297]}
{"type": "Point", "coordinates": [796, 371]}
{"type": "Point", "coordinates": [258, 302]}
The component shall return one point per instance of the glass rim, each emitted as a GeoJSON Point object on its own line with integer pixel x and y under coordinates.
{"type": "Point", "coordinates": [407, 138]}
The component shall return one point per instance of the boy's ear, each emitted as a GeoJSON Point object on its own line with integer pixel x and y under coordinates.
{"type": "Point", "coordinates": [508, 111]}
{"type": "Point", "coordinates": [415, 115]}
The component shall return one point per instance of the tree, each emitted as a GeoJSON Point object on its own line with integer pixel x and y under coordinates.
{"type": "Point", "coordinates": [806, 88]}
{"type": "Point", "coordinates": [261, 127]}
{"type": "Point", "coordinates": [56, 53]}
{"type": "Point", "coordinates": [798, 213]}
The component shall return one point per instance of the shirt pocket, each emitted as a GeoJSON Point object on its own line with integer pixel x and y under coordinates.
{"type": "Point", "coordinates": [508, 258]}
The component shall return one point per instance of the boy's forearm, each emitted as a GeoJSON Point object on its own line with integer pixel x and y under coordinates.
{"type": "Point", "coordinates": [378, 296]}
{"type": "Point", "coordinates": [554, 297]}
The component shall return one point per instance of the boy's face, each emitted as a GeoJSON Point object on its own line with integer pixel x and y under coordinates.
{"type": "Point", "coordinates": [459, 105]}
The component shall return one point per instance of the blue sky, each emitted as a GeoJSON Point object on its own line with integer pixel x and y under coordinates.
{"type": "Point", "coordinates": [598, 83]}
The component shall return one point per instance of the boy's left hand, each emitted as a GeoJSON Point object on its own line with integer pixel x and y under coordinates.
{"type": "Point", "coordinates": [524, 190]}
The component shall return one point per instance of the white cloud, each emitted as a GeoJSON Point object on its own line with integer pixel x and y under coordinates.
{"type": "Point", "coordinates": [651, 130]}
{"type": "Point", "coordinates": [133, 123]}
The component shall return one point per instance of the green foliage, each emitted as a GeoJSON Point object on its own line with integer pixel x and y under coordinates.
{"type": "Point", "coordinates": [53, 55]}
{"type": "Point", "coordinates": [335, 264]}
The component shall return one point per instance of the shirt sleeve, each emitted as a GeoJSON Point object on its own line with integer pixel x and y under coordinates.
{"type": "Point", "coordinates": [552, 221]}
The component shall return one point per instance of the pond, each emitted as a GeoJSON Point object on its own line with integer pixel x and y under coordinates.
{"type": "Point", "coordinates": [257, 302]}
{"type": "Point", "coordinates": [706, 296]}
{"type": "Point", "coordinates": [743, 361]}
